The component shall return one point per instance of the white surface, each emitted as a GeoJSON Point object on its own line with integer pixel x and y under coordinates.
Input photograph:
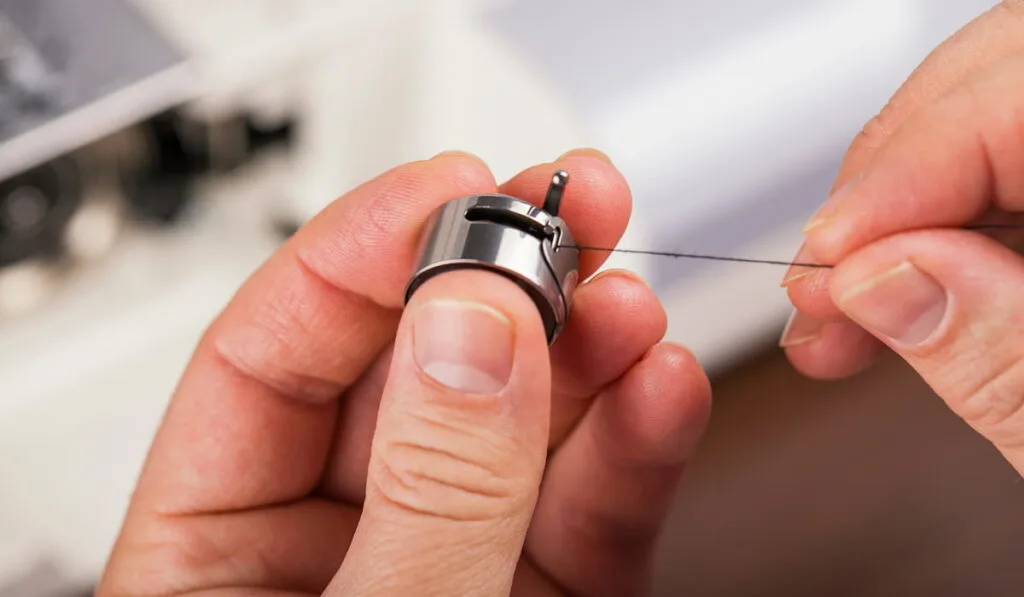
{"type": "Point", "coordinates": [724, 310]}
{"type": "Point", "coordinates": [759, 110]}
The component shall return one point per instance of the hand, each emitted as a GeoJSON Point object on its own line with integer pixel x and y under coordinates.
{"type": "Point", "coordinates": [324, 440]}
{"type": "Point", "coordinates": [946, 153]}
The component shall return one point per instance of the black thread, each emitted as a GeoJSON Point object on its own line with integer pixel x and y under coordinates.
{"type": "Point", "coordinates": [749, 260]}
{"type": "Point", "coordinates": [695, 256]}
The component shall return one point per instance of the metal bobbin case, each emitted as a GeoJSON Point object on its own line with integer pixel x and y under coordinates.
{"type": "Point", "coordinates": [531, 246]}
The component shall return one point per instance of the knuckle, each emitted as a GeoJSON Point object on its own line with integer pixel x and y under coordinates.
{"type": "Point", "coordinates": [382, 222]}
{"type": "Point", "coordinates": [875, 132]}
{"type": "Point", "coordinates": [453, 471]}
{"type": "Point", "coordinates": [173, 557]}
{"type": "Point", "coordinates": [267, 370]}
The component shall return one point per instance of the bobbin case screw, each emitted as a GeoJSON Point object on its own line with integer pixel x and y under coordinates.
{"type": "Point", "coordinates": [530, 246]}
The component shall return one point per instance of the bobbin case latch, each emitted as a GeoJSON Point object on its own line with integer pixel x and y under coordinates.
{"type": "Point", "coordinates": [531, 246]}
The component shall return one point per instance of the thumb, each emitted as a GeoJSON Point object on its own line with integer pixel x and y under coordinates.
{"type": "Point", "coordinates": [949, 303]}
{"type": "Point", "coordinates": [460, 445]}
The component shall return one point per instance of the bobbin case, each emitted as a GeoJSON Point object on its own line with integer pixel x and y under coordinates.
{"type": "Point", "coordinates": [530, 246]}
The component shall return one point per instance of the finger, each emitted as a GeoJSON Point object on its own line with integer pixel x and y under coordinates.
{"type": "Point", "coordinates": [251, 422]}
{"type": "Point", "coordinates": [618, 318]}
{"type": "Point", "coordinates": [615, 320]}
{"type": "Point", "coordinates": [828, 350]}
{"type": "Point", "coordinates": [460, 445]}
{"type": "Point", "coordinates": [609, 488]}
{"type": "Point", "coordinates": [949, 303]}
{"type": "Point", "coordinates": [807, 288]}
{"type": "Point", "coordinates": [597, 195]}
{"type": "Point", "coordinates": [819, 340]}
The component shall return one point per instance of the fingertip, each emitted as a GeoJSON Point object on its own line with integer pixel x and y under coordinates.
{"type": "Point", "coordinates": [607, 187]}
{"type": "Point", "coordinates": [463, 166]}
{"type": "Point", "coordinates": [680, 363]}
{"type": "Point", "coordinates": [837, 350]}
{"type": "Point", "coordinates": [615, 319]}
{"type": "Point", "coordinates": [693, 409]}
{"type": "Point", "coordinates": [456, 154]}
{"type": "Point", "coordinates": [661, 407]}
{"type": "Point", "coordinates": [586, 152]}
{"type": "Point", "coordinates": [810, 295]}
{"type": "Point", "coordinates": [633, 299]}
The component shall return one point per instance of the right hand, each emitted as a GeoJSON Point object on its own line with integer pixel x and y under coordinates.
{"type": "Point", "coordinates": [946, 152]}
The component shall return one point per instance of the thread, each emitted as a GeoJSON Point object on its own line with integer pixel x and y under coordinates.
{"type": "Point", "coordinates": [695, 256]}
{"type": "Point", "coordinates": [750, 260]}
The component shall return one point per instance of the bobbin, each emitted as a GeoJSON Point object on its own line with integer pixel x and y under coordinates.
{"type": "Point", "coordinates": [530, 246]}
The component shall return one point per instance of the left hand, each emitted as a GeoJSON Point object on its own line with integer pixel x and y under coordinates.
{"type": "Point", "coordinates": [257, 482]}
{"type": "Point", "coordinates": [945, 153]}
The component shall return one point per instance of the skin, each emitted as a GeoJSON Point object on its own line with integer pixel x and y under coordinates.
{"type": "Point", "coordinates": [309, 450]}
{"type": "Point", "coordinates": [944, 154]}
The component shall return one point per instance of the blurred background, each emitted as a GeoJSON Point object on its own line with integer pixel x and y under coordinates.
{"type": "Point", "coordinates": [154, 152]}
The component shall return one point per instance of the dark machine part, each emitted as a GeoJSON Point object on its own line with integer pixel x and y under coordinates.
{"type": "Point", "coordinates": [58, 57]}
{"type": "Point", "coordinates": [181, 150]}
{"type": "Point", "coordinates": [35, 209]}
{"type": "Point", "coordinates": [531, 246]}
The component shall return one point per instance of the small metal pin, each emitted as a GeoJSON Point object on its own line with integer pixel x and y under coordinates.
{"type": "Point", "coordinates": [553, 200]}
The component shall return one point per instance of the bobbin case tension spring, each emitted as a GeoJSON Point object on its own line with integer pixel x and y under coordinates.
{"type": "Point", "coordinates": [530, 246]}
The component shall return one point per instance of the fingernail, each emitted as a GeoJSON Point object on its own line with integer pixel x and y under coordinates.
{"type": "Point", "coordinates": [797, 271]}
{"type": "Point", "coordinates": [618, 273]}
{"type": "Point", "coordinates": [800, 329]}
{"type": "Point", "coordinates": [454, 153]}
{"type": "Point", "coordinates": [465, 346]}
{"type": "Point", "coordinates": [903, 304]}
{"type": "Point", "coordinates": [827, 212]}
{"type": "Point", "coordinates": [586, 152]}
